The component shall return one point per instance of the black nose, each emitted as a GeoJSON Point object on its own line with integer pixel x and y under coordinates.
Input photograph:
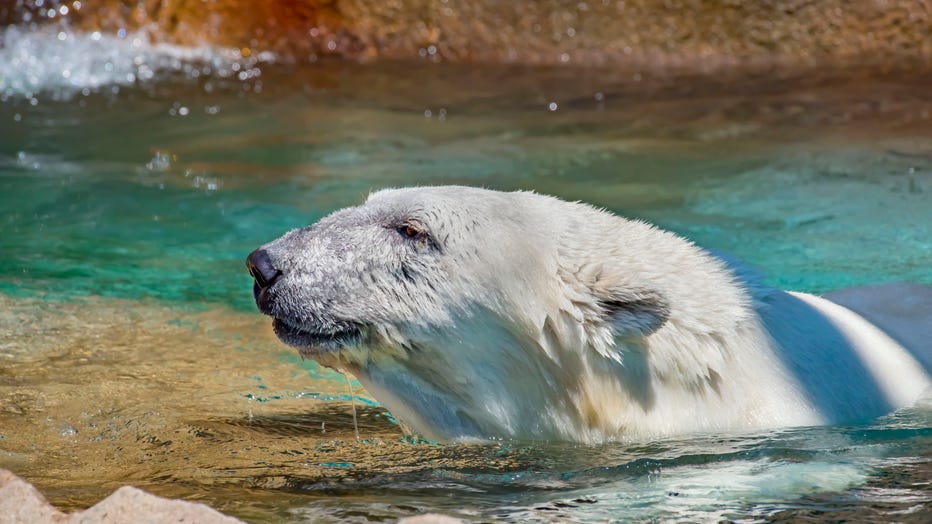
{"type": "Point", "coordinates": [260, 267]}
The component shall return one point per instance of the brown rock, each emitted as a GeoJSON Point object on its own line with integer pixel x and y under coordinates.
{"type": "Point", "coordinates": [656, 33]}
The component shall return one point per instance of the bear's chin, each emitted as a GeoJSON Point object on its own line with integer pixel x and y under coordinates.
{"type": "Point", "coordinates": [310, 342]}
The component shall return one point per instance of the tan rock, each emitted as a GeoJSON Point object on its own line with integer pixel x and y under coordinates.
{"type": "Point", "coordinates": [21, 503]}
{"type": "Point", "coordinates": [431, 518]}
{"type": "Point", "coordinates": [131, 505]}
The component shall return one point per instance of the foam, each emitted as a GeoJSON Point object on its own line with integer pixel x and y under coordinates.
{"type": "Point", "coordinates": [58, 62]}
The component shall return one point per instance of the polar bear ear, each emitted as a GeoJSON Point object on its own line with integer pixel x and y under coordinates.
{"type": "Point", "coordinates": [634, 312]}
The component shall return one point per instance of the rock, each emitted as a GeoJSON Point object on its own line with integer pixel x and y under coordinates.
{"type": "Point", "coordinates": [430, 518]}
{"type": "Point", "coordinates": [21, 503]}
{"type": "Point", "coordinates": [654, 33]}
{"type": "Point", "coordinates": [132, 505]}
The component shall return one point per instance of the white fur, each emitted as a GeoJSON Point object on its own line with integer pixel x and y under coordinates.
{"type": "Point", "coordinates": [547, 319]}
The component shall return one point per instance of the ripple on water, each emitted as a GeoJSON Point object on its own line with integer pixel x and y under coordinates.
{"type": "Point", "coordinates": [101, 392]}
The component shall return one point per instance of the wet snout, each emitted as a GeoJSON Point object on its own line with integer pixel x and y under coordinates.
{"type": "Point", "coordinates": [264, 273]}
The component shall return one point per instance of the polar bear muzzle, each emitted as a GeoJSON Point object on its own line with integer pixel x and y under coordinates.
{"type": "Point", "coordinates": [319, 333]}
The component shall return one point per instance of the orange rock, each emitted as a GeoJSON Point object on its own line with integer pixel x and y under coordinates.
{"type": "Point", "coordinates": [659, 32]}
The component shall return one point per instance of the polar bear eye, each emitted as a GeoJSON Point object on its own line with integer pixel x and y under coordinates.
{"type": "Point", "coordinates": [411, 231]}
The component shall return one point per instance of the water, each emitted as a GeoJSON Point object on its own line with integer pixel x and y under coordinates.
{"type": "Point", "coordinates": [131, 352]}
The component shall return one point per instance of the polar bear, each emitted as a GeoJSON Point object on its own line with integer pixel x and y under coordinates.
{"type": "Point", "coordinates": [472, 313]}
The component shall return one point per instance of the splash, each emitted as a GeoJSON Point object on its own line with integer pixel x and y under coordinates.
{"type": "Point", "coordinates": [61, 63]}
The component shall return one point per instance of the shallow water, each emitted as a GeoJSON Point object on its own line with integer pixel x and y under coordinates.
{"type": "Point", "coordinates": [131, 352]}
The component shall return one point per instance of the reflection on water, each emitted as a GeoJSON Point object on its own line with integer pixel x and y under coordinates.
{"type": "Point", "coordinates": [131, 352]}
{"type": "Point", "coordinates": [206, 405]}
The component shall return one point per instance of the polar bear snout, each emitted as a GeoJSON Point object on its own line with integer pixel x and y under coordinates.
{"type": "Point", "coordinates": [264, 274]}
{"type": "Point", "coordinates": [260, 267]}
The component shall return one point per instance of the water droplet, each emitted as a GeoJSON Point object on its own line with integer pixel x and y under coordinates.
{"type": "Point", "coordinates": [161, 162]}
{"type": "Point", "coordinates": [63, 10]}
{"type": "Point", "coordinates": [552, 106]}
{"type": "Point", "coordinates": [183, 111]}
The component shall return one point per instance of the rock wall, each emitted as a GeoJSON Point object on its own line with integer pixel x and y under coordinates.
{"type": "Point", "coordinates": [659, 32]}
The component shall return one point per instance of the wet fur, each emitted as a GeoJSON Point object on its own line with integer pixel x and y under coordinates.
{"type": "Point", "coordinates": [518, 315]}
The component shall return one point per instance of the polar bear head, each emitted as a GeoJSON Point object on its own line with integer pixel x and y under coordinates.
{"type": "Point", "coordinates": [439, 298]}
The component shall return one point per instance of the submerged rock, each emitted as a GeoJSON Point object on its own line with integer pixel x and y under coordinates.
{"type": "Point", "coordinates": [21, 502]}
{"type": "Point", "coordinates": [640, 32]}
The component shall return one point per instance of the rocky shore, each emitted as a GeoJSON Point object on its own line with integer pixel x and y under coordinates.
{"type": "Point", "coordinates": [21, 503]}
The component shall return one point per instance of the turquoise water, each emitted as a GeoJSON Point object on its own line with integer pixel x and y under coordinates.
{"type": "Point", "coordinates": [145, 196]}
{"type": "Point", "coordinates": [116, 196]}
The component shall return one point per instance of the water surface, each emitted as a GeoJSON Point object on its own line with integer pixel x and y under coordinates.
{"type": "Point", "coordinates": [131, 352]}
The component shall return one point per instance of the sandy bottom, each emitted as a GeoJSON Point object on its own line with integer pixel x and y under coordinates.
{"type": "Point", "coordinates": [100, 393]}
